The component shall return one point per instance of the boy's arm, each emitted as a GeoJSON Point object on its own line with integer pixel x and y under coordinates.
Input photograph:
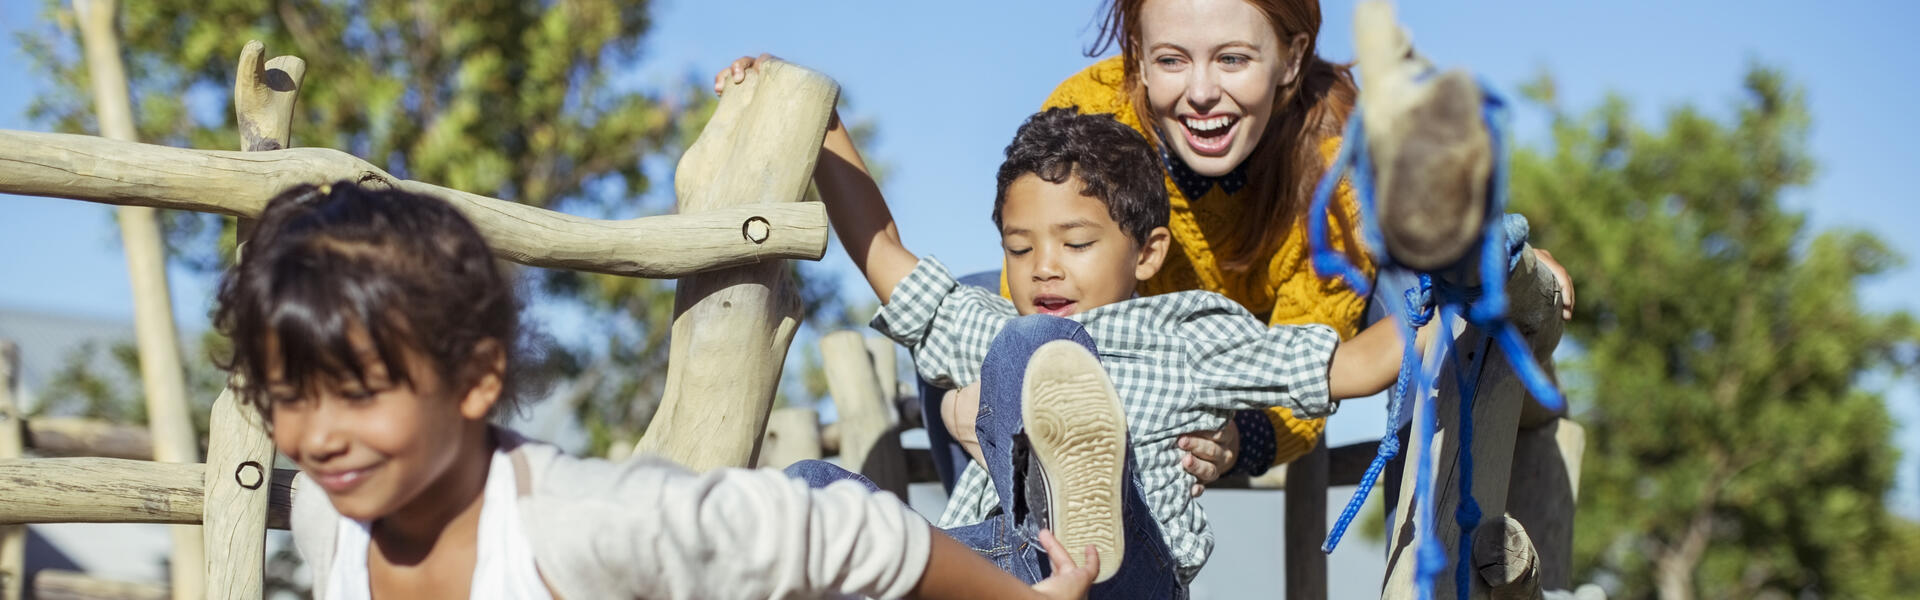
{"type": "Point", "coordinates": [1368, 363]}
{"type": "Point", "coordinates": [955, 571]}
{"type": "Point", "coordinates": [859, 213]}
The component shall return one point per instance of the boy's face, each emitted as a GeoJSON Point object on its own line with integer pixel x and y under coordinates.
{"type": "Point", "coordinates": [384, 447]}
{"type": "Point", "coordinates": [1064, 252]}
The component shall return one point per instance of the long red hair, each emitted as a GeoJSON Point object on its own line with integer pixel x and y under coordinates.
{"type": "Point", "coordinates": [1285, 166]}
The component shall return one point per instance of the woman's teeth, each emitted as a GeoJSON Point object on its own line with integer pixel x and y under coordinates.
{"type": "Point", "coordinates": [1208, 125]}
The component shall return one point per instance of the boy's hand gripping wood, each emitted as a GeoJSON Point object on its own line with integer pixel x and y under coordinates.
{"type": "Point", "coordinates": [732, 327]}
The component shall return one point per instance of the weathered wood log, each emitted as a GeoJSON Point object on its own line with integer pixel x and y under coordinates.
{"type": "Point", "coordinates": [114, 490]}
{"type": "Point", "coordinates": [1544, 494]}
{"type": "Point", "coordinates": [886, 367]}
{"type": "Point", "coordinates": [1431, 152]}
{"type": "Point", "coordinates": [239, 453]}
{"type": "Point", "coordinates": [162, 375]}
{"type": "Point", "coordinates": [13, 538]}
{"type": "Point", "coordinates": [72, 436]}
{"type": "Point", "coordinates": [239, 184]}
{"type": "Point", "coordinates": [55, 584]}
{"type": "Point", "coordinates": [1533, 296]}
{"type": "Point", "coordinates": [1306, 525]}
{"type": "Point", "coordinates": [793, 435]}
{"type": "Point", "coordinates": [731, 328]}
{"type": "Point", "coordinates": [1505, 559]}
{"type": "Point", "coordinates": [869, 441]}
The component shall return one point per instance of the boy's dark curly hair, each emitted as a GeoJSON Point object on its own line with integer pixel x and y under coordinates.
{"type": "Point", "coordinates": [324, 262]}
{"type": "Point", "coordinates": [1114, 163]}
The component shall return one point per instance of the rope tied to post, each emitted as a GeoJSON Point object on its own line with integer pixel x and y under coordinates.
{"type": "Point", "coordinates": [1483, 306]}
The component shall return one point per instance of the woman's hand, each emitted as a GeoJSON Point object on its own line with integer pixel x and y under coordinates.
{"type": "Point", "coordinates": [1210, 454]}
{"type": "Point", "coordinates": [1069, 581]}
{"type": "Point", "coordinates": [1566, 282]}
{"type": "Point", "coordinates": [737, 71]}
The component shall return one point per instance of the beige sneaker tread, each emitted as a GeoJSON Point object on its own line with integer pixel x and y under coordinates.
{"type": "Point", "coordinates": [1078, 431]}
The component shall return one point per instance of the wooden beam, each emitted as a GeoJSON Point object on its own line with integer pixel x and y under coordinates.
{"type": "Point", "coordinates": [72, 436]}
{"type": "Point", "coordinates": [731, 328]}
{"type": "Point", "coordinates": [13, 538]}
{"type": "Point", "coordinates": [239, 453]}
{"type": "Point", "coordinates": [114, 490]}
{"type": "Point", "coordinates": [56, 584]}
{"type": "Point", "coordinates": [869, 439]}
{"type": "Point", "coordinates": [1306, 525]}
{"type": "Point", "coordinates": [239, 184]}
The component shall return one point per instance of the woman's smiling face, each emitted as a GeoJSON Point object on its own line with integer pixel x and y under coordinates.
{"type": "Point", "coordinates": [1213, 70]}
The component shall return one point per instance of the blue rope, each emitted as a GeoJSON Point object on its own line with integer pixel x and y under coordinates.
{"type": "Point", "coordinates": [1484, 308]}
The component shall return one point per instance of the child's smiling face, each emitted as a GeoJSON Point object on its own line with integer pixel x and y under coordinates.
{"type": "Point", "coordinates": [1064, 252]}
{"type": "Point", "coordinates": [379, 446]}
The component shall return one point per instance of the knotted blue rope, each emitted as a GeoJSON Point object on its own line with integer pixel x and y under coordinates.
{"type": "Point", "coordinates": [1484, 308]}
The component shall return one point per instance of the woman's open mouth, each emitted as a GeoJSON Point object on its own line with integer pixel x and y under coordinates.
{"type": "Point", "coordinates": [1209, 136]}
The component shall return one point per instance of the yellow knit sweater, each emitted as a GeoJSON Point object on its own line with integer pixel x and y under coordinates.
{"type": "Point", "coordinates": [1286, 289]}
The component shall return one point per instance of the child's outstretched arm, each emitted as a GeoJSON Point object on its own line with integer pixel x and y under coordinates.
{"type": "Point", "coordinates": [1368, 363]}
{"type": "Point", "coordinates": [955, 571]}
{"type": "Point", "coordinates": [854, 205]}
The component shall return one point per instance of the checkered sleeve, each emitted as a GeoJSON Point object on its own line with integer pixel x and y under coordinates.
{"type": "Point", "coordinates": [1240, 363]}
{"type": "Point", "coordinates": [947, 326]}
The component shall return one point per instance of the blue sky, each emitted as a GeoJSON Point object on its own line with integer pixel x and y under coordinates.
{"type": "Point", "coordinates": [948, 82]}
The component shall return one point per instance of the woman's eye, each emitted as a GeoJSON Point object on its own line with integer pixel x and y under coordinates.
{"type": "Point", "coordinates": [1168, 62]}
{"type": "Point", "coordinates": [1234, 60]}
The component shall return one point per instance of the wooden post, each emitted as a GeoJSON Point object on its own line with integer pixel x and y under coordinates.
{"type": "Point", "coordinates": [731, 328]}
{"type": "Point", "coordinates": [1533, 307]}
{"type": "Point", "coordinates": [1545, 493]}
{"type": "Point", "coordinates": [869, 441]}
{"type": "Point", "coordinates": [793, 435]}
{"type": "Point", "coordinates": [886, 367]}
{"type": "Point", "coordinates": [13, 538]}
{"type": "Point", "coordinates": [114, 490]}
{"type": "Point", "coordinates": [1306, 524]}
{"type": "Point", "coordinates": [239, 453]}
{"type": "Point", "coordinates": [161, 373]}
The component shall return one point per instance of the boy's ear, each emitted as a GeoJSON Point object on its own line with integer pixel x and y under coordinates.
{"type": "Point", "coordinates": [1153, 253]}
{"type": "Point", "coordinates": [489, 369]}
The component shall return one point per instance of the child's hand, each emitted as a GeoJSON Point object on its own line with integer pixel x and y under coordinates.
{"type": "Point", "coordinates": [1566, 282]}
{"type": "Point", "coordinates": [1068, 580]}
{"type": "Point", "coordinates": [738, 70]}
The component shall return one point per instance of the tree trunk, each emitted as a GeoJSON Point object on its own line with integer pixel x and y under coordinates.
{"type": "Point", "coordinates": [161, 374]}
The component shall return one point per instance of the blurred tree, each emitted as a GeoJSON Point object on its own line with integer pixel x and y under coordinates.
{"type": "Point", "coordinates": [1733, 449]}
{"type": "Point", "coordinates": [525, 100]}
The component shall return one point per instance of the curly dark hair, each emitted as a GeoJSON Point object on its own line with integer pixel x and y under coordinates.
{"type": "Point", "coordinates": [1114, 163]}
{"type": "Point", "coordinates": [408, 270]}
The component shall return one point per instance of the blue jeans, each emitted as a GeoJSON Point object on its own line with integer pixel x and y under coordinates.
{"type": "Point", "coordinates": [1009, 536]}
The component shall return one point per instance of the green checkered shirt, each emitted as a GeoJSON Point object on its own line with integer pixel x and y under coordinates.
{"type": "Point", "coordinates": [1181, 362]}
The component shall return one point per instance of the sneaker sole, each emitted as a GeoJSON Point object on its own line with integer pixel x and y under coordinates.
{"type": "Point", "coordinates": [1077, 429]}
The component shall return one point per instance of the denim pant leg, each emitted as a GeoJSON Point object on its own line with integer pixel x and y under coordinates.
{"type": "Point", "coordinates": [949, 457]}
{"type": "Point", "coordinates": [1148, 570]}
{"type": "Point", "coordinates": [820, 473]}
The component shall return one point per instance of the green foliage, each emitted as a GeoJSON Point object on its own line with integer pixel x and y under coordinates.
{"type": "Point", "coordinates": [1732, 449]}
{"type": "Point", "coordinates": [101, 380]}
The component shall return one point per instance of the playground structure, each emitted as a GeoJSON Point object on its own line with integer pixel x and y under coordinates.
{"type": "Point", "coordinates": [735, 311]}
